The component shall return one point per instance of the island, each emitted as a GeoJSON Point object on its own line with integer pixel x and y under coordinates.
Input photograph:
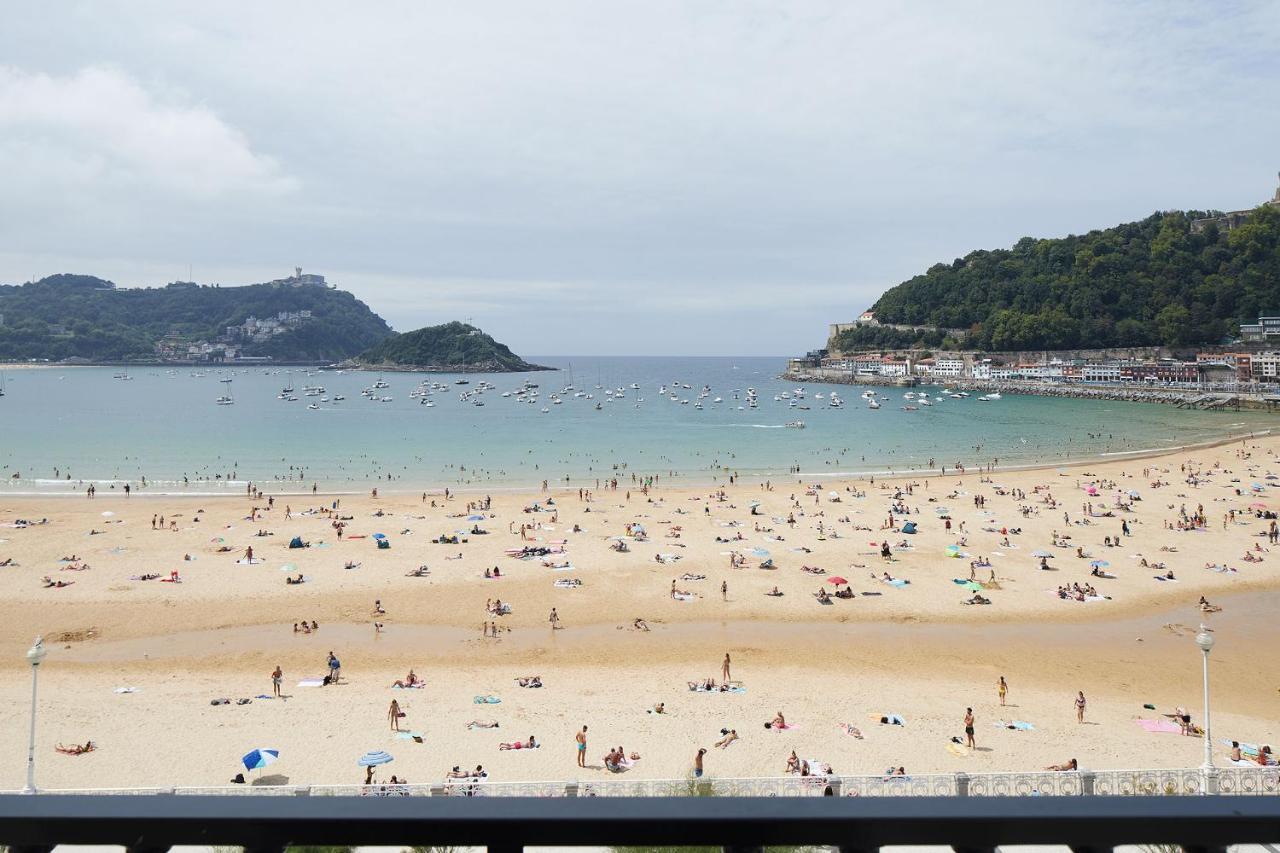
{"type": "Point", "coordinates": [448, 348]}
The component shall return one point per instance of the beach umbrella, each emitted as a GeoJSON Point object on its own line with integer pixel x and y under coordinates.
{"type": "Point", "coordinates": [1133, 493]}
{"type": "Point", "coordinates": [1092, 490]}
{"type": "Point", "coordinates": [107, 514]}
{"type": "Point", "coordinates": [379, 536]}
{"type": "Point", "coordinates": [1258, 486]}
{"type": "Point", "coordinates": [1041, 554]}
{"type": "Point", "coordinates": [759, 552]}
{"type": "Point", "coordinates": [838, 581]}
{"type": "Point", "coordinates": [972, 586]}
{"type": "Point", "coordinates": [257, 759]}
{"type": "Point", "coordinates": [1100, 564]}
{"type": "Point", "coordinates": [374, 758]}
{"type": "Point", "coordinates": [833, 494]}
{"type": "Point", "coordinates": [475, 518]}
{"type": "Point", "coordinates": [288, 567]}
{"type": "Point", "coordinates": [1257, 505]}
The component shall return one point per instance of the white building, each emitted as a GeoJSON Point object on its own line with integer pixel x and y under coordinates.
{"type": "Point", "coordinates": [948, 367]}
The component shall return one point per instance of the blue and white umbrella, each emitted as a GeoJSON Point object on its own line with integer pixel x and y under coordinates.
{"type": "Point", "coordinates": [259, 758]}
{"type": "Point", "coordinates": [1100, 564]}
{"type": "Point", "coordinates": [373, 759]}
{"type": "Point", "coordinates": [379, 536]}
{"type": "Point", "coordinates": [759, 552]}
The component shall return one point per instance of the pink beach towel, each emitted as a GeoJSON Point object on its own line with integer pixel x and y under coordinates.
{"type": "Point", "coordinates": [1161, 726]}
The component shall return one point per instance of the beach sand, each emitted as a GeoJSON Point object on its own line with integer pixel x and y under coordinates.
{"type": "Point", "coordinates": [917, 650]}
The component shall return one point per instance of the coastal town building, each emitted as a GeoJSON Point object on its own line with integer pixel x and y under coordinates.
{"type": "Point", "coordinates": [1221, 370]}
{"type": "Point", "coordinates": [1266, 329]}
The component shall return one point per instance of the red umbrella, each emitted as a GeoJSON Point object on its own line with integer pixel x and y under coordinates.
{"type": "Point", "coordinates": [838, 581]}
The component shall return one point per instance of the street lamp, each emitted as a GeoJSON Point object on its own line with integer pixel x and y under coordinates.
{"type": "Point", "coordinates": [35, 655]}
{"type": "Point", "coordinates": [1204, 640]}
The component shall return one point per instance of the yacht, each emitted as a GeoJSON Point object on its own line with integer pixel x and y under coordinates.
{"type": "Point", "coordinates": [225, 400]}
{"type": "Point", "coordinates": [873, 403]}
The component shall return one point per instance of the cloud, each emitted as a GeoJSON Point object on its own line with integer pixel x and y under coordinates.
{"type": "Point", "coordinates": [99, 129]}
{"type": "Point", "coordinates": [609, 177]}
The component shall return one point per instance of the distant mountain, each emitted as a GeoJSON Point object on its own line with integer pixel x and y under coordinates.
{"type": "Point", "coordinates": [83, 317]}
{"type": "Point", "coordinates": [1160, 281]}
{"type": "Point", "coordinates": [451, 347]}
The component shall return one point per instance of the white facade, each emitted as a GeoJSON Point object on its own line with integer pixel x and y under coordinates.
{"type": "Point", "coordinates": [948, 367]}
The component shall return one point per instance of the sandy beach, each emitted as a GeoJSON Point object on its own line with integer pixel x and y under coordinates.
{"type": "Point", "coordinates": [906, 643]}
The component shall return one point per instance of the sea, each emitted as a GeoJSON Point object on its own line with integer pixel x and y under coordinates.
{"type": "Point", "coordinates": [683, 420]}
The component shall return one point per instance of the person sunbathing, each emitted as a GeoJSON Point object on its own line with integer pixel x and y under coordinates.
{"type": "Point", "coordinates": [1206, 607]}
{"type": "Point", "coordinates": [1063, 768]}
{"type": "Point", "coordinates": [778, 721]}
{"type": "Point", "coordinates": [640, 625]}
{"type": "Point", "coordinates": [77, 749]}
{"type": "Point", "coordinates": [530, 681]}
{"type": "Point", "coordinates": [410, 680]}
{"type": "Point", "coordinates": [529, 744]}
{"type": "Point", "coordinates": [775, 592]}
{"type": "Point", "coordinates": [729, 738]}
{"type": "Point", "coordinates": [482, 724]}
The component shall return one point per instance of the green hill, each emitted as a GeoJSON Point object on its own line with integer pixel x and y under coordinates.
{"type": "Point", "coordinates": [450, 347]}
{"type": "Point", "coordinates": [77, 316]}
{"type": "Point", "coordinates": [1152, 282]}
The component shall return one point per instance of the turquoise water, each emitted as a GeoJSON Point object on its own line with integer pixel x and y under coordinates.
{"type": "Point", "coordinates": [164, 425]}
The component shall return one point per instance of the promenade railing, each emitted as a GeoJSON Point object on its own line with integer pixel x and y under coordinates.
{"type": "Point", "coordinates": [1087, 824]}
{"type": "Point", "coordinates": [1234, 781]}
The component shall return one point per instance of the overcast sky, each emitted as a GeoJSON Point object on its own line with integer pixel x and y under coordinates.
{"type": "Point", "coordinates": [613, 177]}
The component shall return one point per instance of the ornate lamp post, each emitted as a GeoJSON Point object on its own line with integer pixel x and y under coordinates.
{"type": "Point", "coordinates": [35, 655]}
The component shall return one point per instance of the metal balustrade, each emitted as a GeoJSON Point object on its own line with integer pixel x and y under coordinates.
{"type": "Point", "coordinates": [154, 823]}
{"type": "Point", "coordinates": [1235, 780]}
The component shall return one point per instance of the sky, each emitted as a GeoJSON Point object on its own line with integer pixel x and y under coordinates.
{"type": "Point", "coordinates": [613, 178]}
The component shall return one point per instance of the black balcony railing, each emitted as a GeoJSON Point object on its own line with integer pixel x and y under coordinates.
{"type": "Point", "coordinates": [263, 825]}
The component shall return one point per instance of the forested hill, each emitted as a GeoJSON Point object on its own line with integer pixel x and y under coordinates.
{"type": "Point", "coordinates": [66, 316]}
{"type": "Point", "coordinates": [1143, 283]}
{"type": "Point", "coordinates": [449, 347]}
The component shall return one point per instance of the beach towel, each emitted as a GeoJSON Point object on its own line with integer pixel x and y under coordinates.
{"type": "Point", "coordinates": [125, 690]}
{"type": "Point", "coordinates": [418, 686]}
{"type": "Point", "coordinates": [243, 562]}
{"type": "Point", "coordinates": [684, 596]}
{"type": "Point", "coordinates": [1164, 579]}
{"type": "Point", "coordinates": [1018, 725]}
{"type": "Point", "coordinates": [956, 749]}
{"type": "Point", "coordinates": [897, 582]}
{"type": "Point", "coordinates": [1160, 726]}
{"type": "Point", "coordinates": [888, 719]}
{"type": "Point", "coordinates": [311, 682]}
{"type": "Point", "coordinates": [486, 700]}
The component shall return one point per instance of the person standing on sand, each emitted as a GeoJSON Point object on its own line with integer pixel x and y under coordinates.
{"type": "Point", "coordinates": [724, 590]}
{"type": "Point", "coordinates": [968, 728]}
{"type": "Point", "coordinates": [1080, 706]}
{"type": "Point", "coordinates": [554, 619]}
{"type": "Point", "coordinates": [393, 713]}
{"type": "Point", "coordinates": [1002, 688]}
{"type": "Point", "coordinates": [278, 676]}
{"type": "Point", "coordinates": [697, 763]}
{"type": "Point", "coordinates": [335, 668]}
{"type": "Point", "coordinates": [724, 669]}
{"type": "Point", "coordinates": [581, 739]}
